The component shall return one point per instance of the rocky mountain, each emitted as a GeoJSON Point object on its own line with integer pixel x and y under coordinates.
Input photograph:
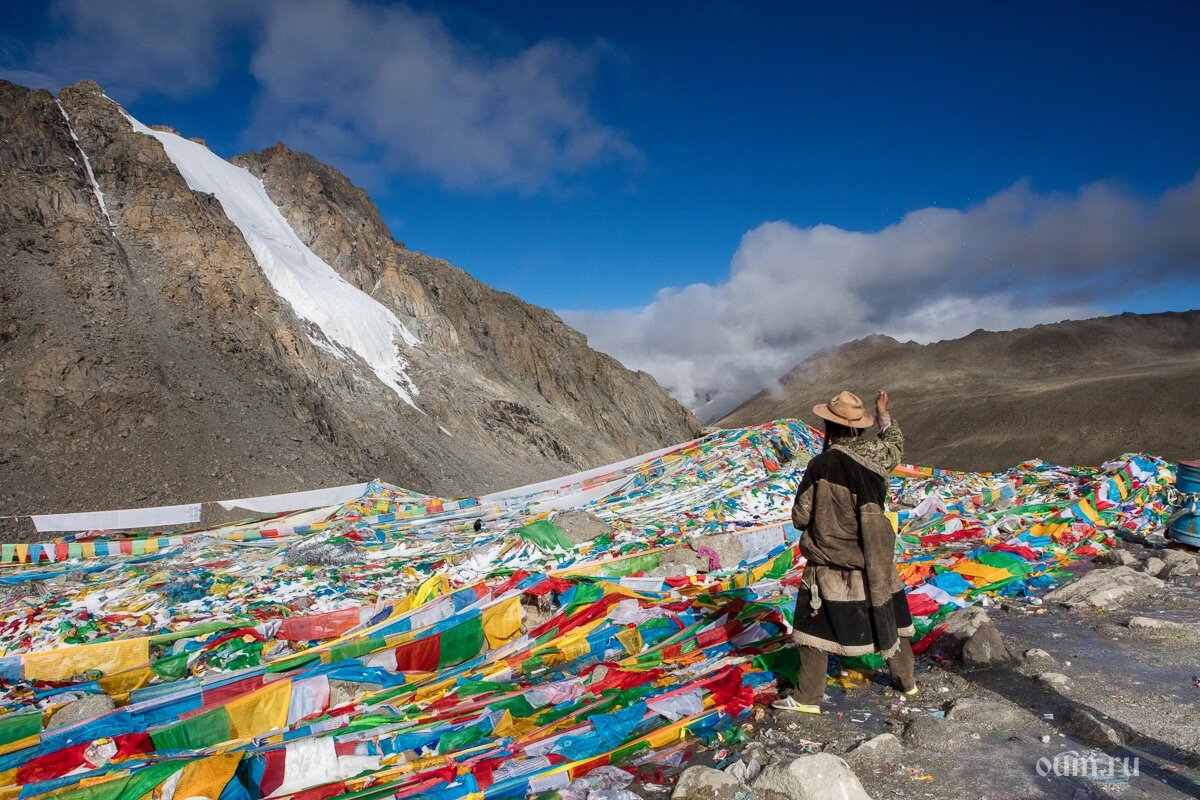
{"type": "Point", "coordinates": [169, 332]}
{"type": "Point", "coordinates": [1076, 392]}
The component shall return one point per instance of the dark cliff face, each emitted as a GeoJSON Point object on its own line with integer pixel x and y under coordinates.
{"type": "Point", "coordinates": [145, 358]}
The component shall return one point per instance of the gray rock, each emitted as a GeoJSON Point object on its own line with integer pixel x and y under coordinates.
{"type": "Point", "coordinates": [1091, 729]}
{"type": "Point", "coordinates": [881, 749]}
{"type": "Point", "coordinates": [1154, 624]}
{"type": "Point", "coordinates": [1173, 557]}
{"type": "Point", "coordinates": [1104, 588]}
{"type": "Point", "coordinates": [1037, 654]}
{"type": "Point", "coordinates": [748, 767]}
{"type": "Point", "coordinates": [985, 647]}
{"type": "Point", "coordinates": [85, 708]}
{"type": "Point", "coordinates": [933, 733]}
{"type": "Point", "coordinates": [1117, 557]}
{"type": "Point", "coordinates": [978, 714]}
{"type": "Point", "coordinates": [820, 776]}
{"type": "Point", "coordinates": [1153, 566]}
{"type": "Point", "coordinates": [318, 551]}
{"type": "Point", "coordinates": [706, 783]}
{"type": "Point", "coordinates": [581, 527]}
{"type": "Point", "coordinates": [964, 622]}
{"type": "Point", "coordinates": [680, 560]}
{"type": "Point", "coordinates": [727, 546]}
{"type": "Point", "coordinates": [345, 692]}
{"type": "Point", "coordinates": [1180, 569]}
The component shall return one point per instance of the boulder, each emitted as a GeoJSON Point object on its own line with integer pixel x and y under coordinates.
{"type": "Point", "coordinates": [985, 647]}
{"type": "Point", "coordinates": [706, 783]}
{"type": "Point", "coordinates": [1037, 654]}
{"type": "Point", "coordinates": [1104, 588]}
{"type": "Point", "coordinates": [581, 527]}
{"type": "Point", "coordinates": [85, 708]}
{"type": "Point", "coordinates": [820, 776]}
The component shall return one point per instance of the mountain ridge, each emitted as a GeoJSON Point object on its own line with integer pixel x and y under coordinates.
{"type": "Point", "coordinates": [1073, 392]}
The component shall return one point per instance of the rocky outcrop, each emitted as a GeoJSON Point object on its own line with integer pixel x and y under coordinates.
{"type": "Point", "coordinates": [142, 342]}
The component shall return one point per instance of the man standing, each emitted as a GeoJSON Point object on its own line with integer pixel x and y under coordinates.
{"type": "Point", "coordinates": [851, 599]}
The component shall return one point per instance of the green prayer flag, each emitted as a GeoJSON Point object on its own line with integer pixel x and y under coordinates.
{"type": "Point", "coordinates": [461, 643]}
{"type": "Point", "coordinates": [14, 727]}
{"type": "Point", "coordinates": [544, 535]}
{"type": "Point", "coordinates": [203, 730]}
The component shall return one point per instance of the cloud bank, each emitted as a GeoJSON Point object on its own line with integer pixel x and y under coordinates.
{"type": "Point", "coordinates": [364, 85]}
{"type": "Point", "coordinates": [1019, 258]}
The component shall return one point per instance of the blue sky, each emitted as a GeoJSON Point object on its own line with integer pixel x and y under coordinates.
{"type": "Point", "coordinates": [621, 160]}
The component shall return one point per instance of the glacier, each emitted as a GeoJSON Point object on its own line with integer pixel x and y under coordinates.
{"type": "Point", "coordinates": [346, 316]}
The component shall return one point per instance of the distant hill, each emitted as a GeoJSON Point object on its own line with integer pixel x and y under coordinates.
{"type": "Point", "coordinates": [1072, 392]}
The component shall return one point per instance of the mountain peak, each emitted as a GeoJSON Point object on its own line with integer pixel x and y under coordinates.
{"type": "Point", "coordinates": [179, 362]}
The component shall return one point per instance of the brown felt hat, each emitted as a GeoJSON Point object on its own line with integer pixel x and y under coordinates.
{"type": "Point", "coordinates": [845, 409]}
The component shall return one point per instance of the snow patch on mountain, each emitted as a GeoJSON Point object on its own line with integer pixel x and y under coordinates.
{"type": "Point", "coordinates": [87, 165]}
{"type": "Point", "coordinates": [348, 317]}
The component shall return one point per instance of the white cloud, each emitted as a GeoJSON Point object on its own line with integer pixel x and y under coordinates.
{"type": "Point", "coordinates": [391, 85]}
{"type": "Point", "coordinates": [1019, 258]}
{"type": "Point", "coordinates": [132, 48]}
{"type": "Point", "coordinates": [369, 87]}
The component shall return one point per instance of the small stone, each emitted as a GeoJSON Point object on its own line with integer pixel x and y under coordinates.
{"type": "Point", "coordinates": [1037, 654]}
{"type": "Point", "coordinates": [705, 783]}
{"type": "Point", "coordinates": [820, 776]}
{"type": "Point", "coordinates": [85, 708]}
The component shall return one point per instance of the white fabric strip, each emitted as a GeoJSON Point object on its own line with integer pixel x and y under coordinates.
{"type": "Point", "coordinates": [275, 503]}
{"type": "Point", "coordinates": [124, 518]}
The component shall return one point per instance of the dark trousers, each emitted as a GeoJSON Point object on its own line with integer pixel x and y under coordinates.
{"type": "Point", "coordinates": [814, 663]}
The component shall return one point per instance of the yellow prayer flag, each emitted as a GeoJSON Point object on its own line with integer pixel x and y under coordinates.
{"type": "Point", "coordinates": [502, 622]}
{"type": "Point", "coordinates": [207, 777]}
{"type": "Point", "coordinates": [261, 711]}
{"type": "Point", "coordinates": [67, 662]}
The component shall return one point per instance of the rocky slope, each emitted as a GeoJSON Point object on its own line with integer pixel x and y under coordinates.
{"type": "Point", "coordinates": [1072, 392]}
{"type": "Point", "coordinates": [147, 359]}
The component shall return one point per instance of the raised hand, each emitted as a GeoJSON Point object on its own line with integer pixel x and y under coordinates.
{"type": "Point", "coordinates": [881, 403]}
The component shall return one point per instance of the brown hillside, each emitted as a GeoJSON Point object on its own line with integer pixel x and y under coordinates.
{"type": "Point", "coordinates": [1073, 392]}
